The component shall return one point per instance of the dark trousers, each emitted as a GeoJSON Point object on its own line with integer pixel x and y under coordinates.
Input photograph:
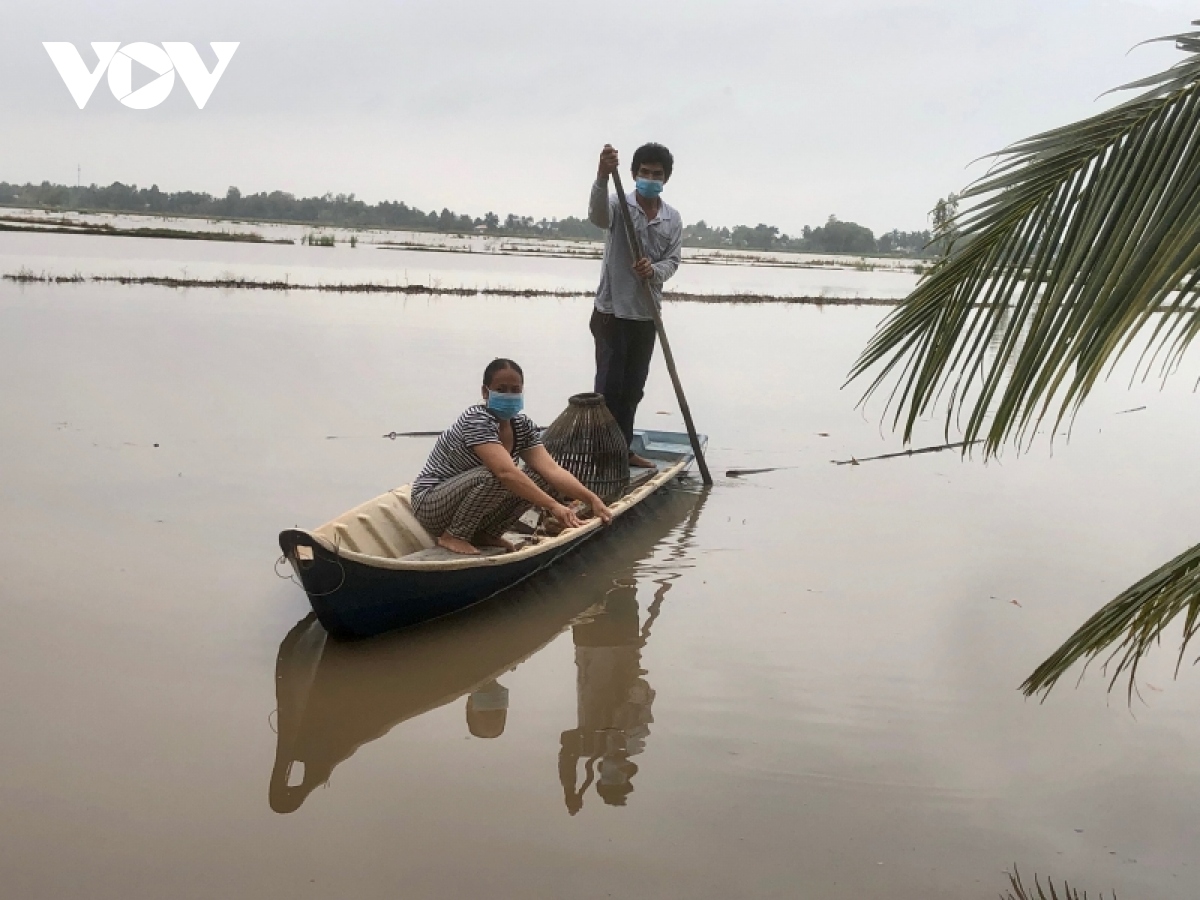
{"type": "Point", "coordinates": [623, 351]}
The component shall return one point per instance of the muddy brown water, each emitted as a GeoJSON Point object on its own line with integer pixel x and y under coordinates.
{"type": "Point", "coordinates": [801, 683]}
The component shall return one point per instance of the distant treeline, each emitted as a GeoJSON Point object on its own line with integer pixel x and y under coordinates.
{"type": "Point", "coordinates": [835, 236]}
{"type": "Point", "coordinates": [344, 210]}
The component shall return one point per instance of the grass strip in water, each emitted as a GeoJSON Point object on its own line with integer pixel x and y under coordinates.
{"type": "Point", "coordinates": [60, 227]}
{"type": "Point", "coordinates": [27, 276]}
{"type": "Point", "coordinates": [696, 258]}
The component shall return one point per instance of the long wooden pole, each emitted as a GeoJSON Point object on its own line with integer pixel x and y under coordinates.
{"type": "Point", "coordinates": [635, 250]}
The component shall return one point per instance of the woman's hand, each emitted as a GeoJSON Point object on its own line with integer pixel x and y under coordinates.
{"type": "Point", "coordinates": [599, 510]}
{"type": "Point", "coordinates": [566, 516]}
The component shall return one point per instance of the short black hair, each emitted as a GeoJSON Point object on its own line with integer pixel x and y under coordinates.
{"type": "Point", "coordinates": [499, 365]}
{"type": "Point", "coordinates": [653, 153]}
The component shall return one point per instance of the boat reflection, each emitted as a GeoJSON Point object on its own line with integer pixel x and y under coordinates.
{"type": "Point", "coordinates": [334, 697]}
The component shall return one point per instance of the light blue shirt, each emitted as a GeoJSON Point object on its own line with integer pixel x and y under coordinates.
{"type": "Point", "coordinates": [662, 238]}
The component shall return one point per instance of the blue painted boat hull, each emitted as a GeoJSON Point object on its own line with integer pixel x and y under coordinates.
{"type": "Point", "coordinates": [353, 600]}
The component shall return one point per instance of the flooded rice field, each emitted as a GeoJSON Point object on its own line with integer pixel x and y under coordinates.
{"type": "Point", "coordinates": [800, 683]}
{"type": "Point", "coordinates": [489, 265]}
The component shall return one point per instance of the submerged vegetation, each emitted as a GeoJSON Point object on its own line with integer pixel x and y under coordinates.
{"type": "Point", "coordinates": [557, 250]}
{"type": "Point", "coordinates": [26, 275]}
{"type": "Point", "coordinates": [1077, 243]}
{"type": "Point", "coordinates": [70, 226]}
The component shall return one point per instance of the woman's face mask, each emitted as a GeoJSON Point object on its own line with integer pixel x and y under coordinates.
{"type": "Point", "coordinates": [505, 406]}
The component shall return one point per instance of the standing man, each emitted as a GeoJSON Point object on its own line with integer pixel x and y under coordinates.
{"type": "Point", "coordinates": [623, 320]}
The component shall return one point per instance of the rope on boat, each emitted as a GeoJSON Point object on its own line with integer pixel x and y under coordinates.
{"type": "Point", "coordinates": [292, 578]}
{"type": "Point", "coordinates": [288, 577]}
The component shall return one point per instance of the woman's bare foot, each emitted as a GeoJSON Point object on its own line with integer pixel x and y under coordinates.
{"type": "Point", "coordinates": [457, 545]}
{"type": "Point", "coordinates": [508, 546]}
{"type": "Point", "coordinates": [640, 461]}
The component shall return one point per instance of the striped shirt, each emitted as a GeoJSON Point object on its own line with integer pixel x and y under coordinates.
{"type": "Point", "coordinates": [452, 453]}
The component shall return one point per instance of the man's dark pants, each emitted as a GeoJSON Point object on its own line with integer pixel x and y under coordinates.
{"type": "Point", "coordinates": [623, 351]}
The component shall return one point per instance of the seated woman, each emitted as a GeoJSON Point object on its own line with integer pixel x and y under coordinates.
{"type": "Point", "coordinates": [471, 490]}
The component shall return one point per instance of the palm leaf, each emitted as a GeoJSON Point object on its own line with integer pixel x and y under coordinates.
{"type": "Point", "coordinates": [1133, 622]}
{"type": "Point", "coordinates": [1076, 242]}
{"type": "Point", "coordinates": [1018, 891]}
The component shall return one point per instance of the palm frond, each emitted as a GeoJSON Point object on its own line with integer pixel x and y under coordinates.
{"type": "Point", "coordinates": [1018, 891]}
{"type": "Point", "coordinates": [1074, 243]}
{"type": "Point", "coordinates": [1132, 624]}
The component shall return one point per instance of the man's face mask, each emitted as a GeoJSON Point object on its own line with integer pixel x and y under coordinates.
{"type": "Point", "coordinates": [649, 187]}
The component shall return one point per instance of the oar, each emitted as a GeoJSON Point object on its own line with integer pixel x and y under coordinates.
{"type": "Point", "coordinates": [635, 250]}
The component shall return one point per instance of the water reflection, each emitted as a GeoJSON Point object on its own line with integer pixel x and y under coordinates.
{"type": "Point", "coordinates": [487, 710]}
{"type": "Point", "coordinates": [334, 697]}
{"type": "Point", "coordinates": [614, 698]}
{"type": "Point", "coordinates": [614, 704]}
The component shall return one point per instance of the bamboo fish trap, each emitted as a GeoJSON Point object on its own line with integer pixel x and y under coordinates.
{"type": "Point", "coordinates": [586, 441]}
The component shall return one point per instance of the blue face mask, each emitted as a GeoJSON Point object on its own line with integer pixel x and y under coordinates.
{"type": "Point", "coordinates": [649, 188]}
{"type": "Point", "coordinates": [505, 406]}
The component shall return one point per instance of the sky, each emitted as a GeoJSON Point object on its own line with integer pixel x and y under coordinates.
{"type": "Point", "coordinates": [777, 111]}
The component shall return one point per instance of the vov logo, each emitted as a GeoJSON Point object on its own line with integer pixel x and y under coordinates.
{"type": "Point", "coordinates": [118, 60]}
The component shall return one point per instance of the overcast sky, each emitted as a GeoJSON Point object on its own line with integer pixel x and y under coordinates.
{"type": "Point", "coordinates": [780, 112]}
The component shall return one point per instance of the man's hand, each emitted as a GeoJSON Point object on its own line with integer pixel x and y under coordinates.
{"type": "Point", "coordinates": [566, 516]}
{"type": "Point", "coordinates": [643, 270]}
{"type": "Point", "coordinates": [608, 162]}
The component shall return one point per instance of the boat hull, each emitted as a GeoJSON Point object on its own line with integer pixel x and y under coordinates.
{"type": "Point", "coordinates": [353, 600]}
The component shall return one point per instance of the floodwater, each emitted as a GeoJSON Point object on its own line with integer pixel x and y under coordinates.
{"type": "Point", "coordinates": [65, 255]}
{"type": "Point", "coordinates": [796, 684]}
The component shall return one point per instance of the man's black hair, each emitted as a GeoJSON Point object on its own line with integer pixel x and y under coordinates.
{"type": "Point", "coordinates": [499, 365]}
{"type": "Point", "coordinates": [653, 153]}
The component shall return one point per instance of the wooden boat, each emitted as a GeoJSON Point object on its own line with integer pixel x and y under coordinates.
{"type": "Point", "coordinates": [374, 568]}
{"type": "Point", "coordinates": [333, 697]}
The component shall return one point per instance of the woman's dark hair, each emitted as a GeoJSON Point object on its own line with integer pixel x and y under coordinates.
{"type": "Point", "coordinates": [653, 153]}
{"type": "Point", "coordinates": [499, 365]}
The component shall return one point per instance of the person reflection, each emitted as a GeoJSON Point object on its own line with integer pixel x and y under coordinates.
{"type": "Point", "coordinates": [613, 704]}
{"type": "Point", "coordinates": [487, 710]}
